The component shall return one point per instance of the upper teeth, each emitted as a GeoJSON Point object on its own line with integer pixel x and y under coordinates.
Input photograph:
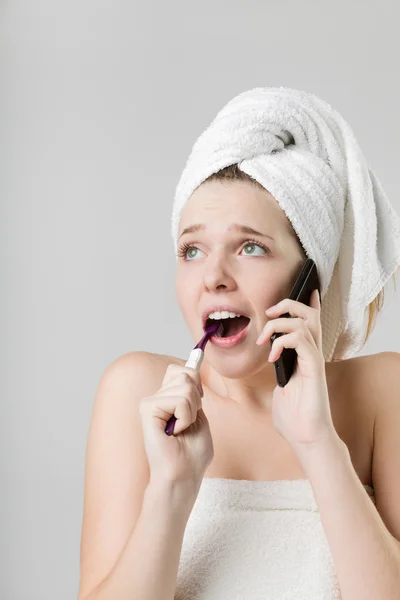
{"type": "Point", "coordinates": [223, 315]}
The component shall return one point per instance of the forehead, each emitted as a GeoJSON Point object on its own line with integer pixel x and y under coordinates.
{"type": "Point", "coordinates": [237, 201]}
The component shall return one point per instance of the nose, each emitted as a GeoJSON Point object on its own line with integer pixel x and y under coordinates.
{"type": "Point", "coordinates": [218, 277]}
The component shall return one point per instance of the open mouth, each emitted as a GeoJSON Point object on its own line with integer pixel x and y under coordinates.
{"type": "Point", "coordinates": [232, 326]}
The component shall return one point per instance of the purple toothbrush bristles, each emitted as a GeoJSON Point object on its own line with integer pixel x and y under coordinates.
{"type": "Point", "coordinates": [216, 328]}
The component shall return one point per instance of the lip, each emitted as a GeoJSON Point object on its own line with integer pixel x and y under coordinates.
{"type": "Point", "coordinates": [231, 341]}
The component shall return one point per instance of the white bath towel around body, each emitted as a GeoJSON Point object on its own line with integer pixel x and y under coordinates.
{"type": "Point", "coordinates": [256, 540]}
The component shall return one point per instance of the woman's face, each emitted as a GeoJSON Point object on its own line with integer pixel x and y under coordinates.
{"type": "Point", "coordinates": [220, 264]}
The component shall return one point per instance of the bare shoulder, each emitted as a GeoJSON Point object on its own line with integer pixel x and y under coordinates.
{"type": "Point", "coordinates": [150, 360]}
{"type": "Point", "coordinates": [386, 450]}
{"type": "Point", "coordinates": [359, 388]}
{"type": "Point", "coordinates": [381, 379]}
{"type": "Point", "coordinates": [116, 469]}
{"type": "Point", "coordinates": [366, 379]}
{"type": "Point", "coordinates": [149, 364]}
{"type": "Point", "coordinates": [373, 372]}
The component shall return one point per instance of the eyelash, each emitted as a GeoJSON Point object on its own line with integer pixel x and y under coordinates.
{"type": "Point", "coordinates": [185, 247]}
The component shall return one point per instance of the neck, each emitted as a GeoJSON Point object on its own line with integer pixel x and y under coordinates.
{"type": "Point", "coordinates": [250, 392]}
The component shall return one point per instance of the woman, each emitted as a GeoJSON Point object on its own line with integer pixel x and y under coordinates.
{"type": "Point", "coordinates": [261, 491]}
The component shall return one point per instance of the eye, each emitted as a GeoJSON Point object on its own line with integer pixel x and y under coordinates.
{"type": "Point", "coordinates": [188, 251]}
{"type": "Point", "coordinates": [185, 250]}
{"type": "Point", "coordinates": [253, 244]}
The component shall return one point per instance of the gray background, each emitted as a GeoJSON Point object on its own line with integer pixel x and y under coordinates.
{"type": "Point", "coordinates": [101, 103]}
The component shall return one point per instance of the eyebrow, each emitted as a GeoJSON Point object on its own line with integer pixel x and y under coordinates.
{"type": "Point", "coordinates": [233, 227]}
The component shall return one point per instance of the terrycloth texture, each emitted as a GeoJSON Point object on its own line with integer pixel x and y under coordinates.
{"type": "Point", "coordinates": [306, 155]}
{"type": "Point", "coordinates": [256, 540]}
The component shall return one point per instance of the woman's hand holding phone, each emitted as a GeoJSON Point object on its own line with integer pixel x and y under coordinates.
{"type": "Point", "coordinates": [300, 410]}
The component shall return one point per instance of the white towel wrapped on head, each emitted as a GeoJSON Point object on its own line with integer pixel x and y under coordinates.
{"type": "Point", "coordinates": [306, 155]}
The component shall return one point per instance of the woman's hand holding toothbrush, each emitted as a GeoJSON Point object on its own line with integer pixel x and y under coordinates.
{"type": "Point", "coordinates": [183, 457]}
{"type": "Point", "coordinates": [175, 428]}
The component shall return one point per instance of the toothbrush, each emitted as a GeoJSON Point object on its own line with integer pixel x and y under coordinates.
{"type": "Point", "coordinates": [195, 360]}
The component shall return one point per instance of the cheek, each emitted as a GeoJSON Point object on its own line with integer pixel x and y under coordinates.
{"type": "Point", "coordinates": [264, 291]}
{"type": "Point", "coordinates": [185, 295]}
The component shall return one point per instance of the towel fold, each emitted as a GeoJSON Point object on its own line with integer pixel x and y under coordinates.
{"type": "Point", "coordinates": [306, 155]}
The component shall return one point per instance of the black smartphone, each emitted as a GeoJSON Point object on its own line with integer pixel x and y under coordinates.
{"type": "Point", "coordinates": [306, 282]}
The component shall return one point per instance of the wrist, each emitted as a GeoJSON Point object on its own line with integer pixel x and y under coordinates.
{"type": "Point", "coordinates": [330, 445]}
{"type": "Point", "coordinates": [179, 497]}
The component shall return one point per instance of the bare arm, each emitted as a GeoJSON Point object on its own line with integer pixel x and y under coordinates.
{"type": "Point", "coordinates": [148, 565]}
{"type": "Point", "coordinates": [128, 528]}
{"type": "Point", "coordinates": [365, 554]}
{"type": "Point", "coordinates": [364, 539]}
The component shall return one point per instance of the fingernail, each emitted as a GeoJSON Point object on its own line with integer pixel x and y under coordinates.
{"type": "Point", "coordinates": [270, 309]}
{"type": "Point", "coordinates": [260, 338]}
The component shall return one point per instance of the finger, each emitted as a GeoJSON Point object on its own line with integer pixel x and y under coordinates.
{"type": "Point", "coordinates": [304, 349]}
{"type": "Point", "coordinates": [284, 325]}
{"type": "Point", "coordinates": [176, 372]}
{"type": "Point", "coordinates": [181, 387]}
{"type": "Point", "coordinates": [294, 307]}
{"type": "Point", "coordinates": [315, 300]}
{"type": "Point", "coordinates": [179, 382]}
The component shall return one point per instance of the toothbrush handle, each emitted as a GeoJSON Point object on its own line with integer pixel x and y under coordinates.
{"type": "Point", "coordinates": [195, 359]}
{"type": "Point", "coordinates": [194, 362]}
